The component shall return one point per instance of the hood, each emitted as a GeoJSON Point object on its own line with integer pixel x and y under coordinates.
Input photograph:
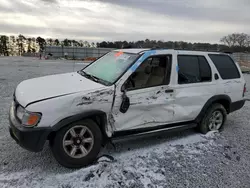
{"type": "Point", "coordinates": [47, 87]}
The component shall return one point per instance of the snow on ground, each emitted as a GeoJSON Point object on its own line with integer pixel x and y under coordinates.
{"type": "Point", "coordinates": [184, 159]}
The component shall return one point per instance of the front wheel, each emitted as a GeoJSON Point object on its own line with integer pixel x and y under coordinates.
{"type": "Point", "coordinates": [214, 119]}
{"type": "Point", "coordinates": [77, 144]}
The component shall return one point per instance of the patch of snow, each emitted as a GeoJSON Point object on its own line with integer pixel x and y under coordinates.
{"type": "Point", "coordinates": [211, 134]}
{"type": "Point", "coordinates": [190, 139]}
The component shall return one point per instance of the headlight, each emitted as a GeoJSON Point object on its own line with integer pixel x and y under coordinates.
{"type": "Point", "coordinates": [20, 112]}
{"type": "Point", "coordinates": [27, 118]}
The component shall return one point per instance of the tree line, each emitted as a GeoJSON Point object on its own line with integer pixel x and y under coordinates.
{"type": "Point", "coordinates": [17, 45]}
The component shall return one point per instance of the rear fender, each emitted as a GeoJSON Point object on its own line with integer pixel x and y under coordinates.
{"type": "Point", "coordinates": [214, 99]}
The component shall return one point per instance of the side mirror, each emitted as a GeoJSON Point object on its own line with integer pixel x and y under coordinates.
{"type": "Point", "coordinates": [125, 103]}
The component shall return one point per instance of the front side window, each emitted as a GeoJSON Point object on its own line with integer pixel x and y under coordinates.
{"type": "Point", "coordinates": [154, 71]}
{"type": "Point", "coordinates": [193, 69]}
{"type": "Point", "coordinates": [110, 67]}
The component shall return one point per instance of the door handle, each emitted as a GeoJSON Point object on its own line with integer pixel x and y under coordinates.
{"type": "Point", "coordinates": [169, 91]}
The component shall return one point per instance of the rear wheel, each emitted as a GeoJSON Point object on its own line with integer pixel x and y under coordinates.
{"type": "Point", "coordinates": [214, 119]}
{"type": "Point", "coordinates": [77, 144]}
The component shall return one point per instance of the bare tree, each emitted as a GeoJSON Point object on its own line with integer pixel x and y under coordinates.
{"type": "Point", "coordinates": [242, 39]}
{"type": "Point", "coordinates": [227, 40]}
{"type": "Point", "coordinates": [235, 39]}
{"type": "Point", "coordinates": [248, 41]}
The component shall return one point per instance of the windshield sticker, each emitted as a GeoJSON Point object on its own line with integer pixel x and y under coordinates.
{"type": "Point", "coordinates": [118, 54]}
{"type": "Point", "coordinates": [124, 57]}
{"type": "Point", "coordinates": [141, 59]}
{"type": "Point", "coordinates": [177, 68]}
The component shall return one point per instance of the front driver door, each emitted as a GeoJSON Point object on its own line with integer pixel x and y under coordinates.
{"type": "Point", "coordinates": [149, 93]}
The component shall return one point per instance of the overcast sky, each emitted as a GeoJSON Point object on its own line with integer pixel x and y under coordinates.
{"type": "Point", "coordinates": [92, 20]}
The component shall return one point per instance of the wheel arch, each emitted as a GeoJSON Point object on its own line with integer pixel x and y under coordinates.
{"type": "Point", "coordinates": [224, 100]}
{"type": "Point", "coordinates": [97, 116]}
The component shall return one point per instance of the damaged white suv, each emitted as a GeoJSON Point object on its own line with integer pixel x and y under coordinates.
{"type": "Point", "coordinates": [125, 92]}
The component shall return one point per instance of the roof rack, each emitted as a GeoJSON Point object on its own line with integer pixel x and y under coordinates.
{"type": "Point", "coordinates": [203, 50]}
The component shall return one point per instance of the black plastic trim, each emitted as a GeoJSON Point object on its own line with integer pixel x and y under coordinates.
{"type": "Point", "coordinates": [78, 117]}
{"type": "Point", "coordinates": [211, 101]}
{"type": "Point", "coordinates": [32, 139]}
{"type": "Point", "coordinates": [149, 130]}
{"type": "Point", "coordinates": [236, 105]}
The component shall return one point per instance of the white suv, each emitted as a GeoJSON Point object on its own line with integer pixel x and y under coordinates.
{"type": "Point", "coordinates": [125, 92]}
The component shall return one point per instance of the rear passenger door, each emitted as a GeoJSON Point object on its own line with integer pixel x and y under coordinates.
{"type": "Point", "coordinates": [195, 85]}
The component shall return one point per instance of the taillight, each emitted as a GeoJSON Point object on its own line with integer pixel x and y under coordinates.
{"type": "Point", "coordinates": [244, 90]}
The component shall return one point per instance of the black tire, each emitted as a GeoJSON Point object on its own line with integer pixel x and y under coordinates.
{"type": "Point", "coordinates": [204, 124]}
{"type": "Point", "coordinates": [67, 161]}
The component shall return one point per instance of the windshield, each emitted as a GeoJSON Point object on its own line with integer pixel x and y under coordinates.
{"type": "Point", "coordinates": [111, 66]}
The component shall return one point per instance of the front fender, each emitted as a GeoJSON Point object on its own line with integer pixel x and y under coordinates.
{"type": "Point", "coordinates": [74, 118]}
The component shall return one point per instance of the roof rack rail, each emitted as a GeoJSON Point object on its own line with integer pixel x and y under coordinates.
{"type": "Point", "coordinates": [202, 50]}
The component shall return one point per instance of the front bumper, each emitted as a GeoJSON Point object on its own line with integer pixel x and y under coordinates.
{"type": "Point", "coordinates": [32, 139]}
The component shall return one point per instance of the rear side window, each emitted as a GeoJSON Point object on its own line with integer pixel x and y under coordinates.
{"type": "Point", "coordinates": [225, 65]}
{"type": "Point", "coordinates": [193, 69]}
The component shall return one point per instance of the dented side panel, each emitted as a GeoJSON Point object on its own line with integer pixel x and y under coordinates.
{"type": "Point", "coordinates": [100, 100]}
{"type": "Point", "coordinates": [148, 107]}
{"type": "Point", "coordinates": [78, 103]}
{"type": "Point", "coordinates": [190, 99]}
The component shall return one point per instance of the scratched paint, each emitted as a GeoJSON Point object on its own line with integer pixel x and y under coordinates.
{"type": "Point", "coordinates": [147, 109]}
{"type": "Point", "coordinates": [99, 96]}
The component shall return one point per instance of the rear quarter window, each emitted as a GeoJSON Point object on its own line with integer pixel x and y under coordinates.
{"type": "Point", "coordinates": [225, 66]}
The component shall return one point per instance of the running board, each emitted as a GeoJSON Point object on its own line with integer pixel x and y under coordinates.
{"type": "Point", "coordinates": [122, 135]}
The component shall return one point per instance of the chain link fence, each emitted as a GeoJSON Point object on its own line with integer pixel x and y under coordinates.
{"type": "Point", "coordinates": [242, 57]}
{"type": "Point", "coordinates": [75, 52]}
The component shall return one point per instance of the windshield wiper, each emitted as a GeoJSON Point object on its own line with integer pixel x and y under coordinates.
{"type": "Point", "coordinates": [94, 78]}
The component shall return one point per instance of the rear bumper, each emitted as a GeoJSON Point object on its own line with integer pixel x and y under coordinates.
{"type": "Point", "coordinates": [32, 139]}
{"type": "Point", "coordinates": [236, 105]}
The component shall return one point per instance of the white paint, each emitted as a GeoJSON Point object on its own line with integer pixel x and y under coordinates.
{"type": "Point", "coordinates": [82, 102]}
{"type": "Point", "coordinates": [149, 107]}
{"type": "Point", "coordinates": [54, 85]}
